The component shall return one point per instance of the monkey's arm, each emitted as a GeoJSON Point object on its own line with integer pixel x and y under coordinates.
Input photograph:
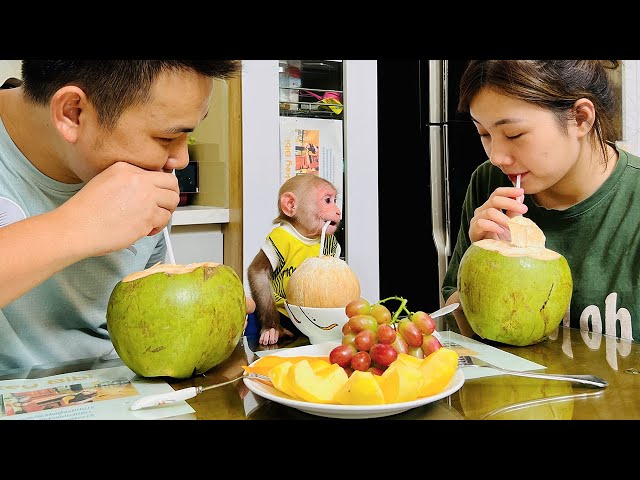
{"type": "Point", "coordinates": [259, 275]}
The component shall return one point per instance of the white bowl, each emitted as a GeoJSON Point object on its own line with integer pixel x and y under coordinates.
{"type": "Point", "coordinates": [319, 324]}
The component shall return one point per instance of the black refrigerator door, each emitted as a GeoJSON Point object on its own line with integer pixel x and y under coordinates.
{"type": "Point", "coordinates": [410, 263]}
{"type": "Point", "coordinates": [408, 257]}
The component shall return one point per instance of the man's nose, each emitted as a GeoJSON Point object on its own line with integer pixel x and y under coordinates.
{"type": "Point", "coordinates": [178, 155]}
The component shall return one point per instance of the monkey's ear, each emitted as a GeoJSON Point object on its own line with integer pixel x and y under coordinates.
{"type": "Point", "coordinates": [288, 203]}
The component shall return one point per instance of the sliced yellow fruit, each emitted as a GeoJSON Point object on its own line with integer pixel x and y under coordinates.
{"type": "Point", "coordinates": [279, 376]}
{"type": "Point", "coordinates": [409, 360]}
{"type": "Point", "coordinates": [266, 363]}
{"type": "Point", "coordinates": [401, 382]}
{"type": "Point", "coordinates": [437, 370]}
{"type": "Point", "coordinates": [361, 388]}
{"type": "Point", "coordinates": [317, 387]}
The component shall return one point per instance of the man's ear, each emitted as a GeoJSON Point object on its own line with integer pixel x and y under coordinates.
{"type": "Point", "coordinates": [585, 116]}
{"type": "Point", "coordinates": [66, 107]}
{"type": "Point", "coordinates": [288, 203]}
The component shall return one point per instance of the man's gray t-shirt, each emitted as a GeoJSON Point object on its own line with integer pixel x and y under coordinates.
{"type": "Point", "coordinates": [63, 318]}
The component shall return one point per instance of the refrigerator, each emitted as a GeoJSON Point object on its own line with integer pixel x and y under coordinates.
{"type": "Point", "coordinates": [426, 154]}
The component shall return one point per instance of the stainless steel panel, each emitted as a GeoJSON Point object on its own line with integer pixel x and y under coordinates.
{"type": "Point", "coordinates": [436, 96]}
{"type": "Point", "coordinates": [439, 200]}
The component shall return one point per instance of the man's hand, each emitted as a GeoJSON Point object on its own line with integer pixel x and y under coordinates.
{"type": "Point", "coordinates": [119, 206]}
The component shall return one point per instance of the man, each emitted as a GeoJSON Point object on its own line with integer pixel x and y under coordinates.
{"type": "Point", "coordinates": [87, 148]}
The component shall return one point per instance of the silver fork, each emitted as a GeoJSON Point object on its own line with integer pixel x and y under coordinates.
{"type": "Point", "coordinates": [588, 381]}
{"type": "Point", "coordinates": [3, 219]}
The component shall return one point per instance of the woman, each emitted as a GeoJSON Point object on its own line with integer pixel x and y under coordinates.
{"type": "Point", "coordinates": [552, 123]}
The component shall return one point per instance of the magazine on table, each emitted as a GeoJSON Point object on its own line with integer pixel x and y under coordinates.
{"type": "Point", "coordinates": [101, 394]}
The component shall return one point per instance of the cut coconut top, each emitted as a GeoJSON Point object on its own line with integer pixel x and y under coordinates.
{"type": "Point", "coordinates": [167, 268]}
{"type": "Point", "coordinates": [510, 250]}
{"type": "Point", "coordinates": [525, 233]}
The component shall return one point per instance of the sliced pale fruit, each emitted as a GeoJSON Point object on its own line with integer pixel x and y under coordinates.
{"type": "Point", "coordinates": [316, 387]}
{"type": "Point", "coordinates": [280, 378]}
{"type": "Point", "coordinates": [266, 363]}
{"type": "Point", "coordinates": [401, 382]}
{"type": "Point", "coordinates": [361, 388]}
{"type": "Point", "coordinates": [437, 370]}
{"type": "Point", "coordinates": [409, 360]}
{"type": "Point", "coordinates": [319, 364]}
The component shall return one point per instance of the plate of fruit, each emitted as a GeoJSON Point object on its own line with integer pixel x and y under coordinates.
{"type": "Point", "coordinates": [373, 372]}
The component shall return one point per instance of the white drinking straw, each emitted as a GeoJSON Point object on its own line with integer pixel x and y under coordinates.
{"type": "Point", "coordinates": [322, 236]}
{"type": "Point", "coordinates": [167, 241]}
{"type": "Point", "coordinates": [518, 186]}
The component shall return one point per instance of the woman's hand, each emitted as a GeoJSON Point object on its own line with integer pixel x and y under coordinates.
{"type": "Point", "coordinates": [490, 220]}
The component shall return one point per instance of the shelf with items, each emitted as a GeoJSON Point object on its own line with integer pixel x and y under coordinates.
{"type": "Point", "coordinates": [311, 88]}
{"type": "Point", "coordinates": [313, 103]}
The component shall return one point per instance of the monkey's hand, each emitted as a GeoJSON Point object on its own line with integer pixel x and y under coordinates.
{"type": "Point", "coordinates": [269, 336]}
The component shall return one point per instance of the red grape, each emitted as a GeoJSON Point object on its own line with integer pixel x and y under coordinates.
{"type": "Point", "coordinates": [383, 354]}
{"type": "Point", "coordinates": [349, 339]}
{"type": "Point", "coordinates": [410, 332]}
{"type": "Point", "coordinates": [430, 344]}
{"type": "Point", "coordinates": [386, 334]}
{"type": "Point", "coordinates": [342, 355]}
{"type": "Point", "coordinates": [358, 307]}
{"type": "Point", "coordinates": [346, 328]}
{"type": "Point", "coordinates": [364, 339]}
{"type": "Point", "coordinates": [380, 313]}
{"type": "Point", "coordinates": [358, 323]}
{"type": "Point", "coordinates": [400, 345]}
{"type": "Point", "coordinates": [361, 361]}
{"type": "Point", "coordinates": [424, 322]}
{"type": "Point", "coordinates": [375, 370]}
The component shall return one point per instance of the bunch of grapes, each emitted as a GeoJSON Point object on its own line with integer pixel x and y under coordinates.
{"type": "Point", "coordinates": [373, 337]}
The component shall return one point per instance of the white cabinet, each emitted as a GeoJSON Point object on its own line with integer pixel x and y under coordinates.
{"type": "Point", "coordinates": [196, 234]}
{"type": "Point", "coordinates": [261, 163]}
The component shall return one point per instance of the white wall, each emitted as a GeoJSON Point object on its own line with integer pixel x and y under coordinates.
{"type": "Point", "coordinates": [260, 154]}
{"type": "Point", "coordinates": [631, 106]}
{"type": "Point", "coordinates": [10, 69]}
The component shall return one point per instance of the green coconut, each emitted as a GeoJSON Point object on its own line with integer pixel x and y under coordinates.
{"type": "Point", "coordinates": [514, 292]}
{"type": "Point", "coordinates": [177, 320]}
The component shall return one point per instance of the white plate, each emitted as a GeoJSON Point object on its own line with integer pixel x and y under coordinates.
{"type": "Point", "coordinates": [342, 411]}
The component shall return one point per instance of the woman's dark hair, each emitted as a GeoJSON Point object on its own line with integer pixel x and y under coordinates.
{"type": "Point", "coordinates": [554, 85]}
{"type": "Point", "coordinates": [111, 85]}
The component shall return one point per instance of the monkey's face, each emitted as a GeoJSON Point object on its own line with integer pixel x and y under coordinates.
{"type": "Point", "coordinates": [321, 208]}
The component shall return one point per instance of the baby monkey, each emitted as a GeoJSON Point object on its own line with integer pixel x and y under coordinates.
{"type": "Point", "coordinates": [305, 203]}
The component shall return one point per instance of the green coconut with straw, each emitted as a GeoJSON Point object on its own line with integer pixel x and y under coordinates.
{"type": "Point", "coordinates": [514, 292]}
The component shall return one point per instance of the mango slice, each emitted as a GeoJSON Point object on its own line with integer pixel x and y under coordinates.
{"type": "Point", "coordinates": [362, 388]}
{"type": "Point", "coordinates": [279, 376]}
{"type": "Point", "coordinates": [319, 385]}
{"type": "Point", "coordinates": [401, 382]}
{"type": "Point", "coordinates": [266, 363]}
{"type": "Point", "coordinates": [437, 370]}
{"type": "Point", "coordinates": [409, 360]}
